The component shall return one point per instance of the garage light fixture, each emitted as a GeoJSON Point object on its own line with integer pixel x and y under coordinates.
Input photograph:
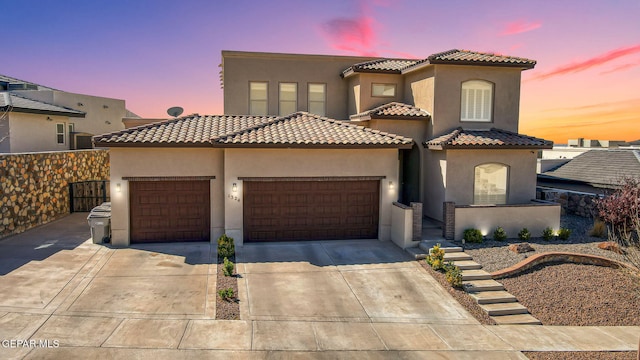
{"type": "Point", "coordinates": [391, 186]}
{"type": "Point", "coordinates": [118, 187]}
{"type": "Point", "coordinates": [234, 188]}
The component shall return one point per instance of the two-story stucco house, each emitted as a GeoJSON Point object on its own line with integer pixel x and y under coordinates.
{"type": "Point", "coordinates": [320, 147]}
{"type": "Point", "coordinates": [34, 117]}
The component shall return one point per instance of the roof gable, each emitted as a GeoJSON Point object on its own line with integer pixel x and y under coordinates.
{"type": "Point", "coordinates": [392, 110]}
{"type": "Point", "coordinates": [486, 139]}
{"type": "Point", "coordinates": [17, 103]}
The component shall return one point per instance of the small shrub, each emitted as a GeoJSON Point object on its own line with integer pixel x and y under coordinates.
{"type": "Point", "coordinates": [599, 229]}
{"type": "Point", "coordinates": [472, 235]}
{"type": "Point", "coordinates": [547, 234]}
{"type": "Point", "coordinates": [499, 234]}
{"type": "Point", "coordinates": [226, 294]}
{"type": "Point", "coordinates": [436, 257]}
{"type": "Point", "coordinates": [564, 233]}
{"type": "Point", "coordinates": [524, 234]}
{"type": "Point", "coordinates": [226, 248]}
{"type": "Point", "coordinates": [453, 274]}
{"type": "Point", "coordinates": [228, 267]}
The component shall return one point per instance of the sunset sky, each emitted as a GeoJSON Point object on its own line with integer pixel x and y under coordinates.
{"type": "Point", "coordinates": [158, 53]}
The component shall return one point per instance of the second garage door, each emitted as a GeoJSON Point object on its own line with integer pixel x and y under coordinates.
{"type": "Point", "coordinates": [168, 211]}
{"type": "Point", "coordinates": [310, 210]}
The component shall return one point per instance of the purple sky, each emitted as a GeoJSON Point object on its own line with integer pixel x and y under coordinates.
{"type": "Point", "coordinates": [156, 53]}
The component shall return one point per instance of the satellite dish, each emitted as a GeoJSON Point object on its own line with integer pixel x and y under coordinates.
{"type": "Point", "coordinates": [175, 111]}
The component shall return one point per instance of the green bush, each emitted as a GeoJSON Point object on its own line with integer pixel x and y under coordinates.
{"type": "Point", "coordinates": [226, 294]}
{"type": "Point", "coordinates": [499, 234]}
{"type": "Point", "coordinates": [226, 248]}
{"type": "Point", "coordinates": [453, 274]}
{"type": "Point", "coordinates": [564, 233]}
{"type": "Point", "coordinates": [524, 234]}
{"type": "Point", "coordinates": [228, 267]}
{"type": "Point", "coordinates": [436, 257]}
{"type": "Point", "coordinates": [472, 235]}
{"type": "Point", "coordinates": [547, 234]}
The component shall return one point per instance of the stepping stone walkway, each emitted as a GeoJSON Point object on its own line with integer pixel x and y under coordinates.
{"type": "Point", "coordinates": [490, 295]}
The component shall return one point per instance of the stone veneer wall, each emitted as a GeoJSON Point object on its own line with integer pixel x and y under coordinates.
{"type": "Point", "coordinates": [34, 187]}
{"type": "Point", "coordinates": [571, 202]}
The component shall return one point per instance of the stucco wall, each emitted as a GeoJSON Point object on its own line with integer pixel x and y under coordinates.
{"type": "Point", "coordinates": [402, 225]}
{"type": "Point", "coordinates": [133, 162]}
{"type": "Point", "coordinates": [242, 67]}
{"type": "Point", "coordinates": [460, 174]}
{"type": "Point", "coordinates": [304, 163]}
{"type": "Point", "coordinates": [34, 187]}
{"type": "Point", "coordinates": [419, 90]}
{"type": "Point", "coordinates": [366, 101]}
{"type": "Point", "coordinates": [33, 132]}
{"type": "Point", "coordinates": [512, 218]}
{"type": "Point", "coordinates": [435, 179]}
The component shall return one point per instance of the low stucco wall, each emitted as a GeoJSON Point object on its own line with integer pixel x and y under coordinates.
{"type": "Point", "coordinates": [535, 216]}
{"type": "Point", "coordinates": [34, 187]}
{"type": "Point", "coordinates": [402, 225]}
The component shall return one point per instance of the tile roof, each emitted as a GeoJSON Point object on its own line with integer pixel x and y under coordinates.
{"type": "Point", "coordinates": [392, 110]}
{"type": "Point", "coordinates": [455, 57]}
{"type": "Point", "coordinates": [299, 129]}
{"type": "Point", "coordinates": [600, 168]}
{"type": "Point", "coordinates": [486, 139]}
{"type": "Point", "coordinates": [11, 80]}
{"type": "Point", "coordinates": [17, 103]}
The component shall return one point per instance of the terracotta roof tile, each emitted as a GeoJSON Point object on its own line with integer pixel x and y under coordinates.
{"type": "Point", "coordinates": [17, 103]}
{"type": "Point", "coordinates": [298, 129]}
{"type": "Point", "coordinates": [600, 168]}
{"type": "Point", "coordinates": [487, 139]}
{"type": "Point", "coordinates": [392, 110]}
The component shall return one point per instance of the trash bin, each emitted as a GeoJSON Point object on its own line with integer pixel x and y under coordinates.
{"type": "Point", "coordinates": [99, 220]}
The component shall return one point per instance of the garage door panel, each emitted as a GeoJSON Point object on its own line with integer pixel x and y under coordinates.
{"type": "Point", "coordinates": [310, 210]}
{"type": "Point", "coordinates": [162, 211]}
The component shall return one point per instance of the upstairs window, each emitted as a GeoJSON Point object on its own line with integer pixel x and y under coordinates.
{"type": "Point", "coordinates": [318, 99]}
{"type": "Point", "coordinates": [490, 184]}
{"type": "Point", "coordinates": [383, 90]}
{"type": "Point", "coordinates": [258, 98]}
{"type": "Point", "coordinates": [288, 98]}
{"type": "Point", "coordinates": [477, 101]}
{"type": "Point", "coordinates": [60, 133]}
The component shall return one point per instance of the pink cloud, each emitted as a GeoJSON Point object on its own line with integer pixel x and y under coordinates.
{"type": "Point", "coordinates": [621, 67]}
{"type": "Point", "coordinates": [589, 63]}
{"type": "Point", "coordinates": [355, 34]}
{"type": "Point", "coordinates": [520, 26]}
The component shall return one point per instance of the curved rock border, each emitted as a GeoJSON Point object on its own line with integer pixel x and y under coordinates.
{"type": "Point", "coordinates": [559, 257]}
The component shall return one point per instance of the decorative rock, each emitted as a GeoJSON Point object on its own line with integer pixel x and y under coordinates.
{"type": "Point", "coordinates": [611, 246]}
{"type": "Point", "coordinates": [521, 248]}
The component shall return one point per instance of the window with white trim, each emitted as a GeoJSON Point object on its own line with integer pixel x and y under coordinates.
{"type": "Point", "coordinates": [318, 99]}
{"type": "Point", "coordinates": [60, 133]}
{"type": "Point", "coordinates": [288, 93]}
{"type": "Point", "coordinates": [383, 90]}
{"type": "Point", "coordinates": [490, 184]}
{"type": "Point", "coordinates": [476, 101]}
{"type": "Point", "coordinates": [258, 98]}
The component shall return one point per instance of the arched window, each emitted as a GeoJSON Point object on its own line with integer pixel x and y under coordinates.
{"type": "Point", "coordinates": [477, 101]}
{"type": "Point", "coordinates": [490, 184]}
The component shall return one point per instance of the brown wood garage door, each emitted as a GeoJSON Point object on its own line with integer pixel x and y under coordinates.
{"type": "Point", "coordinates": [168, 211]}
{"type": "Point", "coordinates": [310, 210]}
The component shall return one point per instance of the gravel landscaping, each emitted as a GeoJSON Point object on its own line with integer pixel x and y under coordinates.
{"type": "Point", "coordinates": [581, 355]}
{"type": "Point", "coordinates": [227, 310]}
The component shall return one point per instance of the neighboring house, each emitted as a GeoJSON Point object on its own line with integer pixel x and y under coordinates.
{"type": "Point", "coordinates": [594, 171]}
{"type": "Point", "coordinates": [441, 131]}
{"type": "Point", "coordinates": [39, 118]}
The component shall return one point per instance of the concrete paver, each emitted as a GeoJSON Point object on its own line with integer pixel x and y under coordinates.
{"type": "Point", "coordinates": [347, 336]}
{"type": "Point", "coordinates": [283, 335]}
{"type": "Point", "coordinates": [283, 257]}
{"type": "Point", "coordinates": [77, 330]}
{"type": "Point", "coordinates": [409, 337]}
{"type": "Point", "coordinates": [139, 262]}
{"type": "Point", "coordinates": [217, 334]}
{"type": "Point", "coordinates": [147, 333]}
{"type": "Point", "coordinates": [20, 326]}
{"type": "Point", "coordinates": [470, 337]}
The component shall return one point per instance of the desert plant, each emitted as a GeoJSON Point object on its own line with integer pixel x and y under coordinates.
{"type": "Point", "coordinates": [453, 274]}
{"type": "Point", "coordinates": [548, 234]}
{"type": "Point", "coordinates": [227, 267]}
{"type": "Point", "coordinates": [524, 234]}
{"type": "Point", "coordinates": [472, 235]}
{"type": "Point", "coordinates": [436, 257]}
{"type": "Point", "coordinates": [599, 229]}
{"type": "Point", "coordinates": [499, 234]}
{"type": "Point", "coordinates": [226, 294]}
{"type": "Point", "coordinates": [226, 248]}
{"type": "Point", "coordinates": [564, 233]}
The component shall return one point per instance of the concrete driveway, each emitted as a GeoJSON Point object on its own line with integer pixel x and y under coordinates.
{"type": "Point", "coordinates": [63, 297]}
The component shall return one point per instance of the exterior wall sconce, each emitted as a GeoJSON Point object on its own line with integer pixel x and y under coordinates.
{"type": "Point", "coordinates": [118, 188]}
{"type": "Point", "coordinates": [391, 185]}
{"type": "Point", "coordinates": [234, 188]}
